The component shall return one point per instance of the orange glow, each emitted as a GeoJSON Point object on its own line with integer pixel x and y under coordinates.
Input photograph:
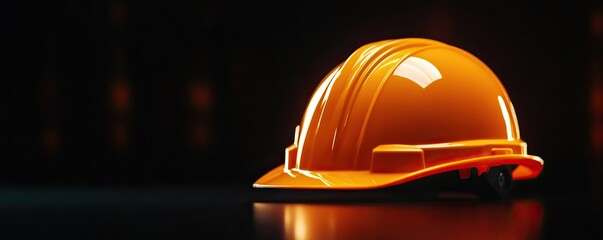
{"type": "Point", "coordinates": [200, 101]}
{"type": "Point", "coordinates": [399, 110]}
{"type": "Point", "coordinates": [200, 96]}
{"type": "Point", "coordinates": [514, 220]}
{"type": "Point", "coordinates": [120, 96]}
{"type": "Point", "coordinates": [120, 101]}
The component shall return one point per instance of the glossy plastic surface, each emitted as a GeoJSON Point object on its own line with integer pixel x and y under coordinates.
{"type": "Point", "coordinates": [398, 110]}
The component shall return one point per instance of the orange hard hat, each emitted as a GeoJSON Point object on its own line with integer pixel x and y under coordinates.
{"type": "Point", "coordinates": [399, 110]}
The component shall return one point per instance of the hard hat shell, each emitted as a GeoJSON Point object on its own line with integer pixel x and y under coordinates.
{"type": "Point", "coordinates": [398, 110]}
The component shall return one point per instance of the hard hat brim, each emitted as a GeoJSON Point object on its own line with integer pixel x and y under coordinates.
{"type": "Point", "coordinates": [528, 167]}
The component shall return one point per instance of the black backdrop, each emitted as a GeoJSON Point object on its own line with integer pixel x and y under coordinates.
{"type": "Point", "coordinates": [153, 92]}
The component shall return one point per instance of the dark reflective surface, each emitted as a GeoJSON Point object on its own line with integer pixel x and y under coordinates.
{"type": "Point", "coordinates": [521, 219]}
{"type": "Point", "coordinates": [238, 212]}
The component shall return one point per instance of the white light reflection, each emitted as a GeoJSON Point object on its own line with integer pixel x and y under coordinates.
{"type": "Point", "coordinates": [295, 222]}
{"type": "Point", "coordinates": [505, 113]}
{"type": "Point", "coordinates": [326, 96]}
{"type": "Point", "coordinates": [418, 70]}
{"type": "Point", "coordinates": [311, 175]}
{"type": "Point", "coordinates": [438, 145]}
{"type": "Point", "coordinates": [301, 231]}
{"type": "Point", "coordinates": [296, 138]}
{"type": "Point", "coordinates": [334, 137]}
{"type": "Point", "coordinates": [287, 169]}
{"type": "Point", "coordinates": [515, 123]}
{"type": "Point", "coordinates": [310, 112]}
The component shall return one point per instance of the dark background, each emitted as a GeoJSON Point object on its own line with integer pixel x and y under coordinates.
{"type": "Point", "coordinates": [209, 92]}
{"type": "Point", "coordinates": [153, 118]}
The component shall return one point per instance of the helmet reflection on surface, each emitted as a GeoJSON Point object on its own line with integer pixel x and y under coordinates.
{"type": "Point", "coordinates": [514, 220]}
